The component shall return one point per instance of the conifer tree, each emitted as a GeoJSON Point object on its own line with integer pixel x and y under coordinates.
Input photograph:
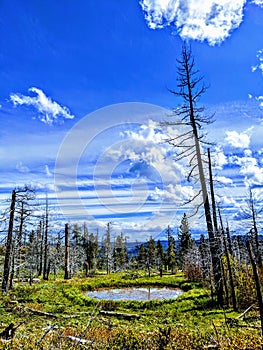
{"type": "Point", "coordinates": [184, 240]}
{"type": "Point", "coordinates": [171, 251]}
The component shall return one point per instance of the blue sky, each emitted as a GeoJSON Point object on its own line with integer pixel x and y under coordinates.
{"type": "Point", "coordinates": [84, 86]}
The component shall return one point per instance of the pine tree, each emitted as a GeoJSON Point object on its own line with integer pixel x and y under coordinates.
{"type": "Point", "coordinates": [142, 256]}
{"type": "Point", "coordinates": [160, 257]}
{"type": "Point", "coordinates": [184, 240]}
{"type": "Point", "coordinates": [120, 253]}
{"type": "Point", "coordinates": [171, 251]}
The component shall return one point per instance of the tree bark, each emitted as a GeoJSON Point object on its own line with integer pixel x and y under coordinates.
{"type": "Point", "coordinates": [66, 274]}
{"type": "Point", "coordinates": [8, 251]}
{"type": "Point", "coordinates": [213, 244]}
{"type": "Point", "coordinates": [45, 265]}
{"type": "Point", "coordinates": [257, 282]}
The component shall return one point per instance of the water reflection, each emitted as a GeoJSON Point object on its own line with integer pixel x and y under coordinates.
{"type": "Point", "coordinates": [136, 293]}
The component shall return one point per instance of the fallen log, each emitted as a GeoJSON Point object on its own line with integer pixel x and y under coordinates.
{"type": "Point", "coordinates": [119, 314]}
{"type": "Point", "coordinates": [76, 315]}
{"type": "Point", "coordinates": [40, 313]}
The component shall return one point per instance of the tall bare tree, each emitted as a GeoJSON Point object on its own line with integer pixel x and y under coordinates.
{"type": "Point", "coordinates": [188, 144]}
{"type": "Point", "coordinates": [66, 268]}
{"type": "Point", "coordinates": [45, 263]}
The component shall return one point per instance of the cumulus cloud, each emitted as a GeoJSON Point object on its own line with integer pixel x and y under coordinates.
{"type": "Point", "coordinates": [258, 2]}
{"type": "Point", "coordinates": [211, 20]}
{"type": "Point", "coordinates": [49, 111]}
{"type": "Point", "coordinates": [238, 140]}
{"type": "Point", "coordinates": [226, 201]}
{"type": "Point", "coordinates": [219, 158]}
{"type": "Point", "coordinates": [249, 168]}
{"type": "Point", "coordinates": [146, 150]}
{"type": "Point", "coordinates": [224, 180]}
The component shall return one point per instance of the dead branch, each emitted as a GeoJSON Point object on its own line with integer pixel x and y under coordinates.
{"type": "Point", "coordinates": [46, 333]}
{"type": "Point", "coordinates": [41, 313]}
{"type": "Point", "coordinates": [246, 311]}
{"type": "Point", "coordinates": [78, 340]}
{"type": "Point", "coordinates": [119, 314]}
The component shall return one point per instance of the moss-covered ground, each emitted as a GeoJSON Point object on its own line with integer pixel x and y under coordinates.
{"type": "Point", "coordinates": [56, 314]}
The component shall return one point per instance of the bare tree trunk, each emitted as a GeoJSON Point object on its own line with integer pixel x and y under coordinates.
{"type": "Point", "coordinates": [253, 212]}
{"type": "Point", "coordinates": [212, 191]}
{"type": "Point", "coordinates": [225, 284]}
{"type": "Point", "coordinates": [40, 242]}
{"type": "Point", "coordinates": [230, 249]}
{"type": "Point", "coordinates": [19, 240]}
{"type": "Point", "coordinates": [9, 244]}
{"type": "Point", "coordinates": [212, 239]}
{"type": "Point", "coordinates": [12, 273]}
{"type": "Point", "coordinates": [229, 267]}
{"type": "Point", "coordinates": [190, 115]}
{"type": "Point", "coordinates": [257, 282]}
{"type": "Point", "coordinates": [66, 274]}
{"type": "Point", "coordinates": [45, 265]}
{"type": "Point", "coordinates": [216, 238]}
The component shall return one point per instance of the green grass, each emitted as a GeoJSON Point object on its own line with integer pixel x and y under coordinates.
{"type": "Point", "coordinates": [189, 322]}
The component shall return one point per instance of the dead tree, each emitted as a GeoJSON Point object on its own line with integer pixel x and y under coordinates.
{"type": "Point", "coordinates": [9, 240]}
{"type": "Point", "coordinates": [45, 263]}
{"type": "Point", "coordinates": [24, 212]}
{"type": "Point", "coordinates": [257, 282]}
{"type": "Point", "coordinates": [40, 245]}
{"type": "Point", "coordinates": [66, 268]}
{"type": "Point", "coordinates": [18, 194]}
{"type": "Point", "coordinates": [250, 212]}
{"type": "Point", "coordinates": [229, 267]}
{"type": "Point", "coordinates": [188, 144]}
{"type": "Point", "coordinates": [254, 231]}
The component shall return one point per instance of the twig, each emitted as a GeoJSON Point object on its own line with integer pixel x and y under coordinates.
{"type": "Point", "coordinates": [246, 311]}
{"type": "Point", "coordinates": [217, 337]}
{"type": "Point", "coordinates": [43, 336]}
{"type": "Point", "coordinates": [89, 322]}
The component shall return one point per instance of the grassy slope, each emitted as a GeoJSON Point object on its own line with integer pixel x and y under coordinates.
{"type": "Point", "coordinates": [189, 322]}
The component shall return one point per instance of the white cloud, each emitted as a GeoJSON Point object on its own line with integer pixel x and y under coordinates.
{"type": "Point", "coordinates": [49, 111]}
{"type": "Point", "coordinates": [219, 158]}
{"type": "Point", "coordinates": [249, 168]}
{"type": "Point", "coordinates": [258, 2]}
{"type": "Point", "coordinates": [226, 201]}
{"type": "Point", "coordinates": [47, 171]}
{"type": "Point", "coordinates": [210, 20]}
{"type": "Point", "coordinates": [258, 66]}
{"type": "Point", "coordinates": [224, 180]}
{"type": "Point", "coordinates": [22, 168]}
{"type": "Point", "coordinates": [260, 61]}
{"type": "Point", "coordinates": [159, 13]}
{"type": "Point", "coordinates": [239, 140]}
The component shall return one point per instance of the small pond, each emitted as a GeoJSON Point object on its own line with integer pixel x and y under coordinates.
{"type": "Point", "coordinates": [135, 293]}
